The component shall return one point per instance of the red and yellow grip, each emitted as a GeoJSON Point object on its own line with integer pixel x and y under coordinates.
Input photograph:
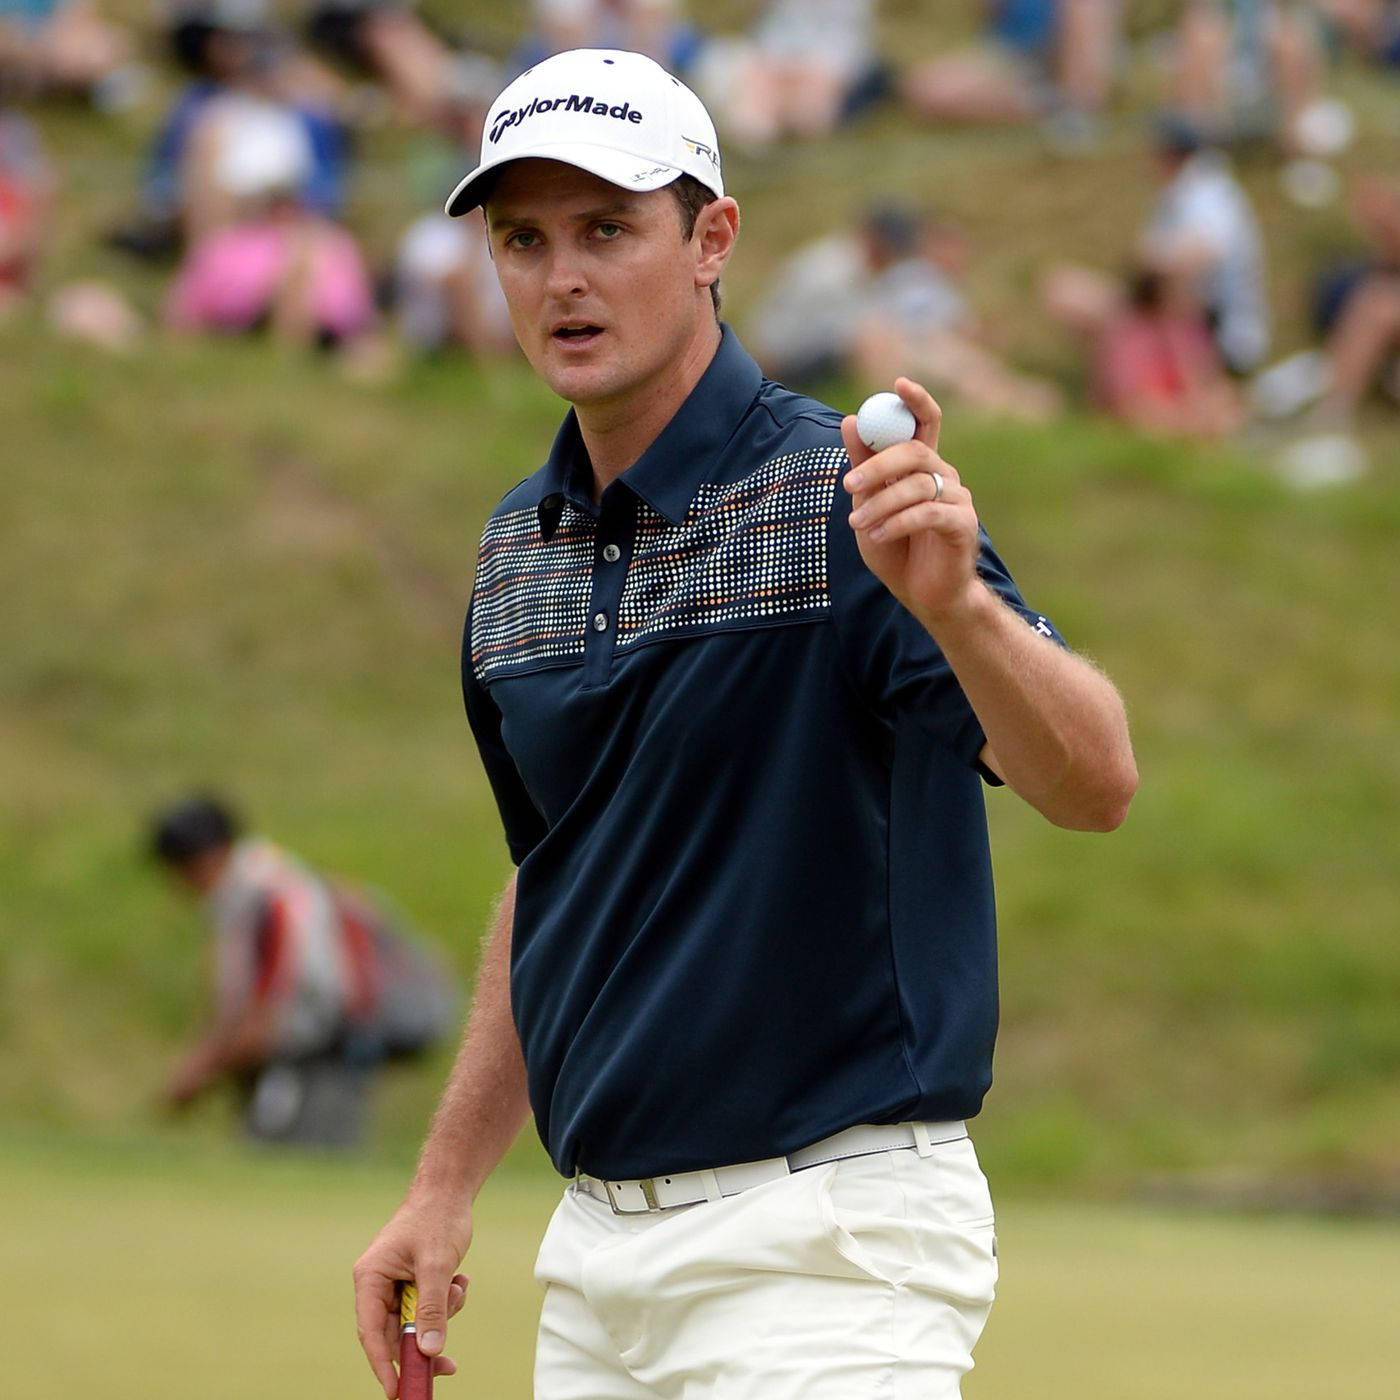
{"type": "Point", "coordinates": [415, 1369]}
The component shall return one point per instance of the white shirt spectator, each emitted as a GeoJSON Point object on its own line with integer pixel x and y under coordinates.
{"type": "Point", "coordinates": [916, 297]}
{"type": "Point", "coordinates": [277, 939]}
{"type": "Point", "coordinates": [808, 319]}
{"type": "Point", "coordinates": [433, 252]}
{"type": "Point", "coordinates": [839, 32]}
{"type": "Point", "coordinates": [826, 295]}
{"type": "Point", "coordinates": [1204, 213]}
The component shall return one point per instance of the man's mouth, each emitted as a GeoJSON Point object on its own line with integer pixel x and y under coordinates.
{"type": "Point", "coordinates": [578, 334]}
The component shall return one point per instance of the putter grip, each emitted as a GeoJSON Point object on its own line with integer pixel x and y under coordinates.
{"type": "Point", "coordinates": [415, 1369]}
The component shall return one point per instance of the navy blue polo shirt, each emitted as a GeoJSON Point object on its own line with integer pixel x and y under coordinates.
{"type": "Point", "coordinates": [754, 898]}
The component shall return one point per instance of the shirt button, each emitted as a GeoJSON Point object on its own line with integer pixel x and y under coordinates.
{"type": "Point", "coordinates": [611, 553]}
{"type": "Point", "coordinates": [600, 622]}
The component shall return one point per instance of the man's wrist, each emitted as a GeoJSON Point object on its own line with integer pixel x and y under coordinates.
{"type": "Point", "coordinates": [454, 1171]}
{"type": "Point", "coordinates": [970, 610]}
{"type": "Point", "coordinates": [441, 1183]}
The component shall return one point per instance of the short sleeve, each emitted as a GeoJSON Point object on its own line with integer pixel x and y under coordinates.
{"type": "Point", "coordinates": [891, 660]}
{"type": "Point", "coordinates": [524, 826]}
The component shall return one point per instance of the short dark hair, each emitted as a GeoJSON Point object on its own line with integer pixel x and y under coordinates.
{"type": "Point", "coordinates": [691, 197]}
{"type": "Point", "coordinates": [191, 827]}
{"type": "Point", "coordinates": [1147, 289]}
{"type": "Point", "coordinates": [1176, 135]}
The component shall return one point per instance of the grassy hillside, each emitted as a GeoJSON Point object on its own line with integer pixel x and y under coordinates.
{"type": "Point", "coordinates": [227, 567]}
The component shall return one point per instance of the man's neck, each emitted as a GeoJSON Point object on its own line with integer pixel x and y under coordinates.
{"type": "Point", "coordinates": [617, 433]}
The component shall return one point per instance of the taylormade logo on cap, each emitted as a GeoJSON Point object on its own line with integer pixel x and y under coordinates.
{"type": "Point", "coordinates": [623, 112]}
{"type": "Point", "coordinates": [618, 115]}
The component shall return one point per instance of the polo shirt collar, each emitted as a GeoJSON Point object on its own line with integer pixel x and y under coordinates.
{"type": "Point", "coordinates": [683, 457]}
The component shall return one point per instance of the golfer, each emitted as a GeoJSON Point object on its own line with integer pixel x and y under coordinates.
{"type": "Point", "coordinates": [737, 683]}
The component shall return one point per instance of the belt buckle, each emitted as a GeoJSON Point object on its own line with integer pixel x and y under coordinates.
{"type": "Point", "coordinates": [646, 1185]}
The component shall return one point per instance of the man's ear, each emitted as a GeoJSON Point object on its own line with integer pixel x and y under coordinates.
{"type": "Point", "coordinates": [716, 230]}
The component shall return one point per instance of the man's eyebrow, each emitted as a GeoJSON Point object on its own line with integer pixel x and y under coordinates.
{"type": "Point", "coordinates": [498, 218]}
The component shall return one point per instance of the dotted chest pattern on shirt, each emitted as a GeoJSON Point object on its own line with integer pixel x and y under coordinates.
{"type": "Point", "coordinates": [748, 553]}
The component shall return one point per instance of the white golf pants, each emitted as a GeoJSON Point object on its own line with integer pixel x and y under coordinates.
{"type": "Point", "coordinates": [865, 1279]}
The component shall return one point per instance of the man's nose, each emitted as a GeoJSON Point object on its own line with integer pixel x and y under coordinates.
{"type": "Point", "coordinates": [566, 275]}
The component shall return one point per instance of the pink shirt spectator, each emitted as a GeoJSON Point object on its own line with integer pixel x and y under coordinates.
{"type": "Point", "coordinates": [1152, 359]}
{"type": "Point", "coordinates": [232, 278]}
{"type": "Point", "coordinates": [24, 187]}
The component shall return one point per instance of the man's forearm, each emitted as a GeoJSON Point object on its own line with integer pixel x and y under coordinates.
{"type": "Point", "coordinates": [1055, 726]}
{"type": "Point", "coordinates": [485, 1104]}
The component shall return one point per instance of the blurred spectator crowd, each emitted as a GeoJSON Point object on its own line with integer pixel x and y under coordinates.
{"type": "Point", "coordinates": [245, 184]}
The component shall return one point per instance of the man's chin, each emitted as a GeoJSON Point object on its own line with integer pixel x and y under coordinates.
{"type": "Point", "coordinates": [579, 384]}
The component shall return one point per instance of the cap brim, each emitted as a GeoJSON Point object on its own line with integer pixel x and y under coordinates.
{"type": "Point", "coordinates": [616, 167]}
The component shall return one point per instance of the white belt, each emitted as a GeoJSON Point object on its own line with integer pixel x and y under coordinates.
{"type": "Point", "coordinates": [652, 1193]}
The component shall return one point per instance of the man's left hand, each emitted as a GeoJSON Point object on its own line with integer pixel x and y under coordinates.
{"type": "Point", "coordinates": [915, 523]}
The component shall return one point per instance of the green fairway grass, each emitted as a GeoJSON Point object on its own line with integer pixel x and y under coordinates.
{"type": "Point", "coordinates": [1103, 1303]}
{"type": "Point", "coordinates": [169, 1274]}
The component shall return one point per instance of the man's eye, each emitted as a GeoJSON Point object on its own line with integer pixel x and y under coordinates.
{"type": "Point", "coordinates": [609, 230]}
{"type": "Point", "coordinates": [522, 239]}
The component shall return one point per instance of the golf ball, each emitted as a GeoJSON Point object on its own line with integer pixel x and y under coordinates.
{"type": "Point", "coordinates": [883, 420]}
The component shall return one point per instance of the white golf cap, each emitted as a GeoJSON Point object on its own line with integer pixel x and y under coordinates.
{"type": "Point", "coordinates": [618, 115]}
